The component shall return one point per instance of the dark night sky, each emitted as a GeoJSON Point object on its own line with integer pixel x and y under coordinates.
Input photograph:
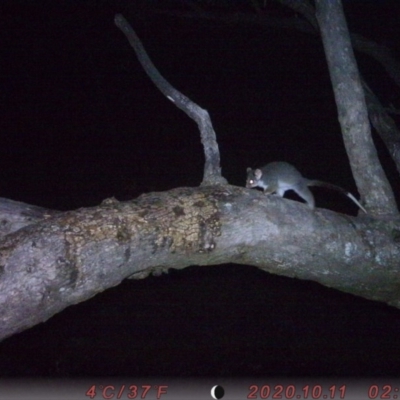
{"type": "Point", "coordinates": [80, 122]}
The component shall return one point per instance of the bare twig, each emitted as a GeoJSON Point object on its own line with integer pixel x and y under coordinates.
{"type": "Point", "coordinates": [212, 169]}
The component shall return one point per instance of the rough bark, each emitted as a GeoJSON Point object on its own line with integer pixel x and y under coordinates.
{"type": "Point", "coordinates": [72, 256]}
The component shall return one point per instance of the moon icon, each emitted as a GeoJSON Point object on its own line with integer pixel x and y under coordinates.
{"type": "Point", "coordinates": [217, 392]}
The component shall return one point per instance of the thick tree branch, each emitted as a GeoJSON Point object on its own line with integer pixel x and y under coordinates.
{"type": "Point", "coordinates": [212, 170]}
{"type": "Point", "coordinates": [370, 178]}
{"type": "Point", "coordinates": [72, 256]}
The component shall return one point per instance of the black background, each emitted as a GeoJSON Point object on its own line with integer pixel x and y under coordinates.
{"type": "Point", "coordinates": [80, 121]}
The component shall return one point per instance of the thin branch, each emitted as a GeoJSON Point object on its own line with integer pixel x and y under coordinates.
{"type": "Point", "coordinates": [383, 124]}
{"type": "Point", "coordinates": [212, 169]}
